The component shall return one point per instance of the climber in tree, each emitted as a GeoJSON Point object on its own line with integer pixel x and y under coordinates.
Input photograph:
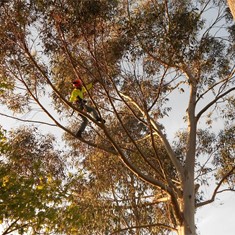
{"type": "Point", "coordinates": [77, 97]}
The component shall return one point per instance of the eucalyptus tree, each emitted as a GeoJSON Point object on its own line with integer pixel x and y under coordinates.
{"type": "Point", "coordinates": [118, 202]}
{"type": "Point", "coordinates": [150, 61]}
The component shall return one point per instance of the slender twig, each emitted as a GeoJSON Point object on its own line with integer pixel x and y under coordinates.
{"type": "Point", "coordinates": [225, 81]}
{"type": "Point", "coordinates": [216, 191]}
{"type": "Point", "coordinates": [145, 226]}
{"type": "Point", "coordinates": [213, 102]}
{"type": "Point", "coordinates": [26, 120]}
{"type": "Point", "coordinates": [158, 90]}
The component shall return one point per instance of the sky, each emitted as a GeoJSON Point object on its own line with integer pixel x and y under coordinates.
{"type": "Point", "coordinates": [219, 217]}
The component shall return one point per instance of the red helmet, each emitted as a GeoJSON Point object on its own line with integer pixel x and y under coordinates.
{"type": "Point", "coordinates": [77, 83]}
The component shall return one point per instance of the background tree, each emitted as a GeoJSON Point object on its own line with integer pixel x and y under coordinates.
{"type": "Point", "coordinates": [27, 182]}
{"type": "Point", "coordinates": [145, 58]}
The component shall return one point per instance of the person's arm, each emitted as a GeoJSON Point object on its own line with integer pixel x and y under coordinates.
{"type": "Point", "coordinates": [88, 86]}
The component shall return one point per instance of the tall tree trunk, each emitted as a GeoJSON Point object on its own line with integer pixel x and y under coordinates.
{"type": "Point", "coordinates": [188, 204]}
{"type": "Point", "coordinates": [188, 177]}
{"type": "Point", "coordinates": [188, 183]}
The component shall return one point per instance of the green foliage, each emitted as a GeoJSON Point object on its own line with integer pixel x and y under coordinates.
{"type": "Point", "coordinates": [32, 153]}
{"type": "Point", "coordinates": [26, 191]}
{"type": "Point", "coordinates": [3, 141]}
{"type": "Point", "coordinates": [225, 157]}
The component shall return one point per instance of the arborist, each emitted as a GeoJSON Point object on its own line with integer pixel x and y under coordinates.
{"type": "Point", "coordinates": [77, 97]}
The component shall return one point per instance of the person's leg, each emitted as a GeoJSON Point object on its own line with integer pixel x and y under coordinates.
{"type": "Point", "coordinates": [82, 127]}
{"type": "Point", "coordinates": [85, 120]}
{"type": "Point", "coordinates": [95, 114]}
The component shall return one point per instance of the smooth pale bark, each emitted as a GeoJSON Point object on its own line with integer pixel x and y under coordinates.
{"type": "Point", "coordinates": [180, 230]}
{"type": "Point", "coordinates": [231, 4]}
{"type": "Point", "coordinates": [188, 207]}
{"type": "Point", "coordinates": [188, 228]}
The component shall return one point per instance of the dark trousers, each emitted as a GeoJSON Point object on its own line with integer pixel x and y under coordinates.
{"type": "Point", "coordinates": [84, 119]}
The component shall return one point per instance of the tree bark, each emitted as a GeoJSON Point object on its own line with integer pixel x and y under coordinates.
{"type": "Point", "coordinates": [180, 230]}
{"type": "Point", "coordinates": [188, 227]}
{"type": "Point", "coordinates": [189, 167]}
{"type": "Point", "coordinates": [231, 4]}
{"type": "Point", "coordinates": [188, 183]}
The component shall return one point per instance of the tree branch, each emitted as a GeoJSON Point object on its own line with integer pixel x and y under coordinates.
{"type": "Point", "coordinates": [213, 102]}
{"type": "Point", "coordinates": [224, 81]}
{"type": "Point", "coordinates": [125, 129]}
{"type": "Point", "coordinates": [25, 120]}
{"type": "Point", "coordinates": [163, 138]}
{"type": "Point", "coordinates": [145, 226]}
{"type": "Point", "coordinates": [216, 191]}
{"type": "Point", "coordinates": [11, 228]}
{"type": "Point", "coordinates": [158, 90]}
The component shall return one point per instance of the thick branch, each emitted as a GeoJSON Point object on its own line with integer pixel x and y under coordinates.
{"type": "Point", "coordinates": [163, 138]}
{"type": "Point", "coordinates": [231, 5]}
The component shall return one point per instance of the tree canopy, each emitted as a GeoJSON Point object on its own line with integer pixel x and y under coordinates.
{"type": "Point", "coordinates": [152, 64]}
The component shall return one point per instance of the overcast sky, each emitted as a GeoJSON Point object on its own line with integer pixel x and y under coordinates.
{"type": "Point", "coordinates": [219, 217]}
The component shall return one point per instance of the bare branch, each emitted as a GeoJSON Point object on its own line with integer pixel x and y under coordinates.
{"type": "Point", "coordinates": [11, 227]}
{"type": "Point", "coordinates": [224, 81]}
{"type": "Point", "coordinates": [158, 90]}
{"type": "Point", "coordinates": [145, 226]}
{"type": "Point", "coordinates": [213, 102]}
{"type": "Point", "coordinates": [216, 191]}
{"type": "Point", "coordinates": [26, 120]}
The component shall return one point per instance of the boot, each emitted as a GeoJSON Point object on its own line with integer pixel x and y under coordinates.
{"type": "Point", "coordinates": [100, 120]}
{"type": "Point", "coordinates": [79, 134]}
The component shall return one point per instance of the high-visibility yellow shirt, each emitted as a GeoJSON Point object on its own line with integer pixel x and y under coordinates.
{"type": "Point", "coordinates": [79, 92]}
